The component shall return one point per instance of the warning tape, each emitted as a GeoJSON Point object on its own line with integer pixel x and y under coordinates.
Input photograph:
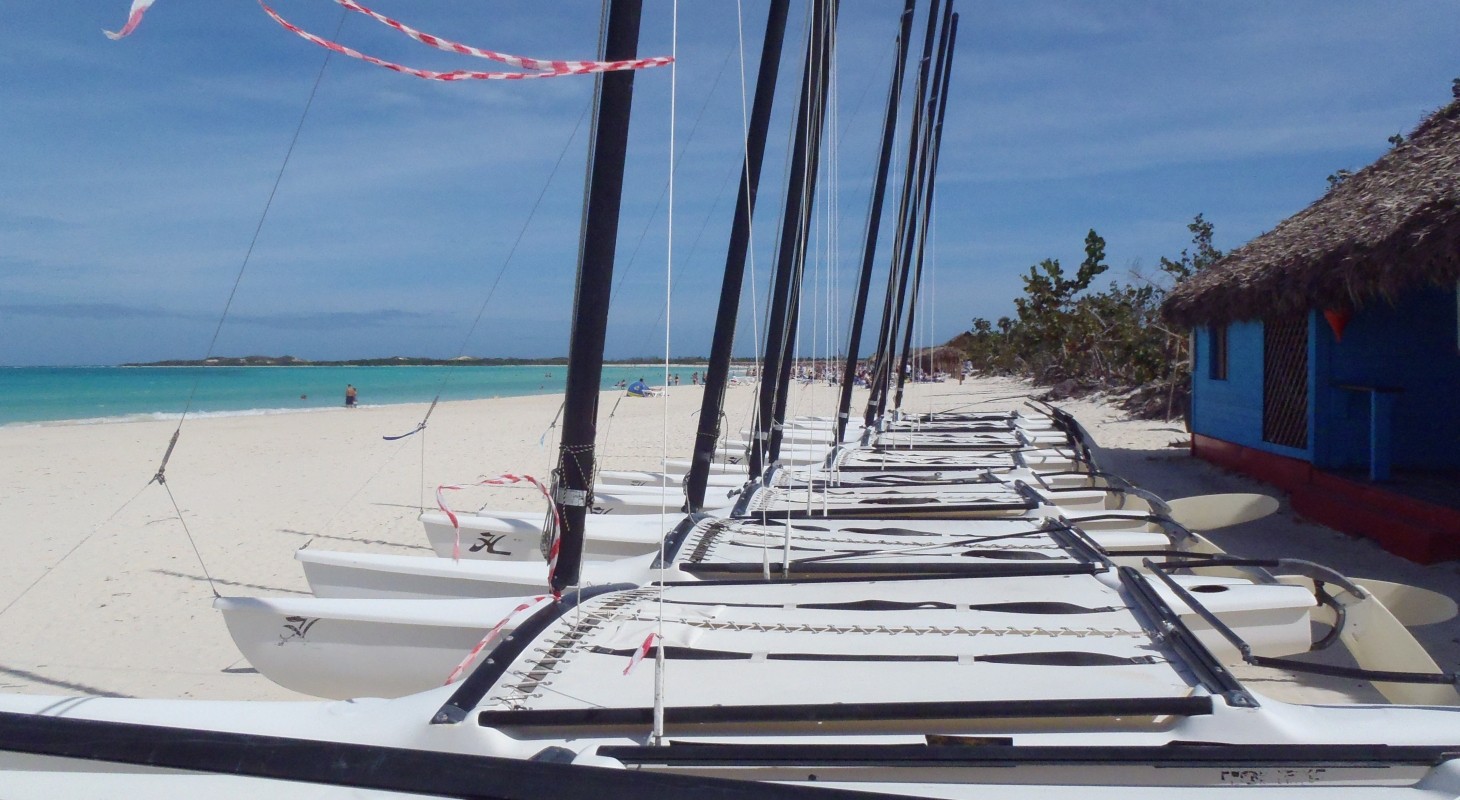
{"type": "Point", "coordinates": [464, 75]}
{"type": "Point", "coordinates": [641, 652]}
{"type": "Point", "coordinates": [506, 479]}
{"type": "Point", "coordinates": [538, 67]}
{"type": "Point", "coordinates": [134, 18]}
{"type": "Point", "coordinates": [489, 638]}
{"type": "Point", "coordinates": [544, 65]}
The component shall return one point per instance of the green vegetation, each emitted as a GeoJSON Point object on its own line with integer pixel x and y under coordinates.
{"type": "Point", "coordinates": [1079, 341]}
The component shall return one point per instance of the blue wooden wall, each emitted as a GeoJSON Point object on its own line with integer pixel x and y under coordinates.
{"type": "Point", "coordinates": [1411, 345]}
{"type": "Point", "coordinates": [1231, 409]}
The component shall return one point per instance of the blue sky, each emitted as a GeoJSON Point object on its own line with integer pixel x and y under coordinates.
{"type": "Point", "coordinates": [136, 172]}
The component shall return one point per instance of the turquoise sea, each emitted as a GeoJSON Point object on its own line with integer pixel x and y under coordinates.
{"type": "Point", "coordinates": [102, 394]}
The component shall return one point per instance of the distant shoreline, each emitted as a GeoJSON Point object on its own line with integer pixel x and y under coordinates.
{"type": "Point", "coordinates": [404, 361]}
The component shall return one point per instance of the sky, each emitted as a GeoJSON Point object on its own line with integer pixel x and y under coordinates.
{"type": "Point", "coordinates": [374, 214]}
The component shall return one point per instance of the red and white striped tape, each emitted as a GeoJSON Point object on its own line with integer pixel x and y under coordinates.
{"type": "Point", "coordinates": [543, 65]}
{"type": "Point", "coordinates": [465, 75]}
{"type": "Point", "coordinates": [134, 18]}
{"type": "Point", "coordinates": [538, 67]}
{"type": "Point", "coordinates": [641, 652]}
{"type": "Point", "coordinates": [506, 479]}
{"type": "Point", "coordinates": [488, 639]}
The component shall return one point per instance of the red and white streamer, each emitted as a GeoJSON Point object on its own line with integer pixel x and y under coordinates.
{"type": "Point", "coordinates": [540, 64]}
{"type": "Point", "coordinates": [134, 18]}
{"type": "Point", "coordinates": [538, 67]}
{"type": "Point", "coordinates": [506, 479]}
{"type": "Point", "coordinates": [489, 638]}
{"type": "Point", "coordinates": [641, 652]}
{"type": "Point", "coordinates": [588, 67]}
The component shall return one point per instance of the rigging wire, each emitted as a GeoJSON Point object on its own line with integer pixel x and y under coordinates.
{"type": "Point", "coordinates": [654, 213]}
{"type": "Point", "coordinates": [506, 262]}
{"type": "Point", "coordinates": [758, 443]}
{"type": "Point", "coordinates": [750, 249]}
{"type": "Point", "coordinates": [659, 661]}
{"type": "Point", "coordinates": [83, 540]}
{"type": "Point", "coordinates": [811, 240]}
{"type": "Point", "coordinates": [184, 523]}
{"type": "Point", "coordinates": [160, 477]}
{"type": "Point", "coordinates": [730, 174]}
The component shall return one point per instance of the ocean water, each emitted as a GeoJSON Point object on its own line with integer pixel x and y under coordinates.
{"type": "Point", "coordinates": [104, 394]}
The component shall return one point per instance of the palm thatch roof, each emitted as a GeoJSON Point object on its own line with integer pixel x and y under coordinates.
{"type": "Point", "coordinates": [1391, 227]}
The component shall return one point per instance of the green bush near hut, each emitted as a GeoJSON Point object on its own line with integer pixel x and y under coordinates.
{"type": "Point", "coordinates": [1078, 341]}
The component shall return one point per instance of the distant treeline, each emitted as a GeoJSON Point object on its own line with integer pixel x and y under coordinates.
{"type": "Point", "coordinates": [1078, 341]}
{"type": "Point", "coordinates": [402, 361]}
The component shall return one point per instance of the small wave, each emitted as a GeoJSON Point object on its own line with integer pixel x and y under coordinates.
{"type": "Point", "coordinates": [165, 416]}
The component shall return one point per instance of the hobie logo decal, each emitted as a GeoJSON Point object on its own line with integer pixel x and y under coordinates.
{"type": "Point", "coordinates": [489, 542]}
{"type": "Point", "coordinates": [296, 628]}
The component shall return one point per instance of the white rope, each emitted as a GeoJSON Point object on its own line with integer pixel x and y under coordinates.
{"type": "Point", "coordinates": [932, 301]}
{"type": "Point", "coordinates": [750, 249]}
{"type": "Point", "coordinates": [659, 662]}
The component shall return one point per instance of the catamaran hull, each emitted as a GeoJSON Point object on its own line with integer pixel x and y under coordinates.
{"type": "Point", "coordinates": [362, 648]}
{"type": "Point", "coordinates": [517, 536]}
{"type": "Point", "coordinates": [389, 577]}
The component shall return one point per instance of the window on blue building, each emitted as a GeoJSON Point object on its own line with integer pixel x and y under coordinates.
{"type": "Point", "coordinates": [1217, 352]}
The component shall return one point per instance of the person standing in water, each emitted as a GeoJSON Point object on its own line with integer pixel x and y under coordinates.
{"type": "Point", "coordinates": [350, 394]}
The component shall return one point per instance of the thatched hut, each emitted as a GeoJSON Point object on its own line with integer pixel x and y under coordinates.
{"type": "Point", "coordinates": [1328, 349]}
{"type": "Point", "coordinates": [942, 358]}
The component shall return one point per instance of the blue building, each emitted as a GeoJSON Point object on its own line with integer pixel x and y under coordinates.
{"type": "Point", "coordinates": [1326, 352]}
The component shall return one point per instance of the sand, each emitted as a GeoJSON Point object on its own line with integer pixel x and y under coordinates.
{"type": "Point", "coordinates": [103, 593]}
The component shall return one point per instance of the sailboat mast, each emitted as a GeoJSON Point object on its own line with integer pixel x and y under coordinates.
{"type": "Point", "coordinates": [803, 231]}
{"type": "Point", "coordinates": [792, 230]}
{"type": "Point", "coordinates": [598, 238]}
{"type": "Point", "coordinates": [940, 91]}
{"type": "Point", "coordinates": [874, 221]}
{"type": "Point", "coordinates": [717, 374]}
{"type": "Point", "coordinates": [910, 224]}
{"type": "Point", "coordinates": [897, 274]}
{"type": "Point", "coordinates": [827, 41]}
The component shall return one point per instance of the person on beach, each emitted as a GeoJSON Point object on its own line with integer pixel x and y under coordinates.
{"type": "Point", "coordinates": [350, 395]}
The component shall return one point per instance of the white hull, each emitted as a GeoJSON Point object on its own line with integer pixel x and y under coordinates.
{"type": "Point", "coordinates": [381, 576]}
{"type": "Point", "coordinates": [613, 478]}
{"type": "Point", "coordinates": [517, 536]}
{"type": "Point", "coordinates": [361, 648]}
{"type": "Point", "coordinates": [718, 467]}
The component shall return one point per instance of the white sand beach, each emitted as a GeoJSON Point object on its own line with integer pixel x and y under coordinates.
{"type": "Point", "coordinates": [103, 593]}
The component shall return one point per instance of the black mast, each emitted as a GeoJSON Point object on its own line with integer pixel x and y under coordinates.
{"type": "Point", "coordinates": [944, 73]}
{"type": "Point", "coordinates": [803, 230]}
{"type": "Point", "coordinates": [874, 221]}
{"type": "Point", "coordinates": [901, 253]}
{"type": "Point", "coordinates": [796, 197]}
{"type": "Point", "coordinates": [573, 478]}
{"type": "Point", "coordinates": [717, 374]}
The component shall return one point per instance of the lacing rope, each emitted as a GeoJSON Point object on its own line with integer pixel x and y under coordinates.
{"type": "Point", "coordinates": [489, 638]}
{"type": "Point", "coordinates": [586, 68]}
{"type": "Point", "coordinates": [507, 479]}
